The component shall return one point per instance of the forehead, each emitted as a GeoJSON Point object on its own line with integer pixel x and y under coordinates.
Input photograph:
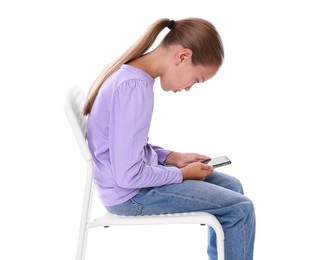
{"type": "Point", "coordinates": [206, 72]}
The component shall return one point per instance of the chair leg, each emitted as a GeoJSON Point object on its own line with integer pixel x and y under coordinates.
{"type": "Point", "coordinates": [221, 249]}
{"type": "Point", "coordinates": [82, 243]}
{"type": "Point", "coordinates": [86, 208]}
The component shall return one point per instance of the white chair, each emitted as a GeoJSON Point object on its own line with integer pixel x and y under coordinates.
{"type": "Point", "coordinates": [73, 108]}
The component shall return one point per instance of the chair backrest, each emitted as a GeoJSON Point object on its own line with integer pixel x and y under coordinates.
{"type": "Point", "coordinates": [73, 108]}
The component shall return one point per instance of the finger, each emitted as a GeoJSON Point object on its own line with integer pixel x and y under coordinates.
{"type": "Point", "coordinates": [201, 157]}
{"type": "Point", "coordinates": [206, 167]}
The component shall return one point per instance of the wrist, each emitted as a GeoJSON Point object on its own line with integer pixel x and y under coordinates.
{"type": "Point", "coordinates": [172, 158]}
{"type": "Point", "coordinates": [184, 174]}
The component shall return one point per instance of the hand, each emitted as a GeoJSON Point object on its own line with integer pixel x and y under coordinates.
{"type": "Point", "coordinates": [183, 159]}
{"type": "Point", "coordinates": [196, 171]}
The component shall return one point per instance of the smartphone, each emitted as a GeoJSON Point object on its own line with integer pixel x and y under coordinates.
{"type": "Point", "coordinates": [218, 161]}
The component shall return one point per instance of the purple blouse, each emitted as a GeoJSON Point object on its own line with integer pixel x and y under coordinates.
{"type": "Point", "coordinates": [117, 133]}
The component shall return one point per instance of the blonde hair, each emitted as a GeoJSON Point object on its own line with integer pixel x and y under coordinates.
{"type": "Point", "coordinates": [197, 34]}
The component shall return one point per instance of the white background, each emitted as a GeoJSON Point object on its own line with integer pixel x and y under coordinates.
{"type": "Point", "coordinates": [264, 109]}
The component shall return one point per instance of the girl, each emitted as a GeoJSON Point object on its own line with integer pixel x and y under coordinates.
{"type": "Point", "coordinates": [134, 177]}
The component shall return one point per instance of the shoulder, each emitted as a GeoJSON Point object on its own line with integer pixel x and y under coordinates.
{"type": "Point", "coordinates": [127, 78]}
{"type": "Point", "coordinates": [128, 83]}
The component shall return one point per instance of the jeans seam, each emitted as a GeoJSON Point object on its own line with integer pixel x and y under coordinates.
{"type": "Point", "coordinates": [184, 197]}
{"type": "Point", "coordinates": [138, 206]}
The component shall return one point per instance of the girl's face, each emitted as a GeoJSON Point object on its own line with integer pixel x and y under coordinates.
{"type": "Point", "coordinates": [185, 75]}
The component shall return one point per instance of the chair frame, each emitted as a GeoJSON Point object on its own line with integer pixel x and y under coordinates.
{"type": "Point", "coordinates": [73, 108]}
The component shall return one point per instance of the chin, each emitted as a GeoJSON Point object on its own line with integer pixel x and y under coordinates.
{"type": "Point", "coordinates": [164, 88]}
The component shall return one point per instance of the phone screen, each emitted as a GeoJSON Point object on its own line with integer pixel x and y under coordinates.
{"type": "Point", "coordinates": [218, 161]}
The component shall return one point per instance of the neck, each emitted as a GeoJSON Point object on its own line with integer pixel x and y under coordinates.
{"type": "Point", "coordinates": [153, 62]}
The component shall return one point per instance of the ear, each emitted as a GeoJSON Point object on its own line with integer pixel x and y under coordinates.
{"type": "Point", "coordinates": [182, 55]}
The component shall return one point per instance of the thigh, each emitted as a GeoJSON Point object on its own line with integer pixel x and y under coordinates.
{"type": "Point", "coordinates": [190, 195]}
{"type": "Point", "coordinates": [225, 181]}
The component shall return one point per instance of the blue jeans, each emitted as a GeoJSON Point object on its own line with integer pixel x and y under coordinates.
{"type": "Point", "coordinates": [219, 194]}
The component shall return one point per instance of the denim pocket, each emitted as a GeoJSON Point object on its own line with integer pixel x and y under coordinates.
{"type": "Point", "coordinates": [128, 208]}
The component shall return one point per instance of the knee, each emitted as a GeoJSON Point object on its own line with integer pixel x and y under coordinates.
{"type": "Point", "coordinates": [235, 185]}
{"type": "Point", "coordinates": [248, 209]}
{"type": "Point", "coordinates": [242, 213]}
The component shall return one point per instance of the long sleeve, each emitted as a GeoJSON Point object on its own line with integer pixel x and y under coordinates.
{"type": "Point", "coordinates": [131, 108]}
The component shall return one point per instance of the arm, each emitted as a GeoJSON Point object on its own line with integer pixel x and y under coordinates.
{"type": "Point", "coordinates": [131, 111]}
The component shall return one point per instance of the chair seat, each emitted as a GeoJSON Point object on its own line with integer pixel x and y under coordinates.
{"type": "Point", "coordinates": [110, 219]}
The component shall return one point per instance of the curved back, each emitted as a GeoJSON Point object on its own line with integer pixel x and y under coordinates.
{"type": "Point", "coordinates": [73, 108]}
